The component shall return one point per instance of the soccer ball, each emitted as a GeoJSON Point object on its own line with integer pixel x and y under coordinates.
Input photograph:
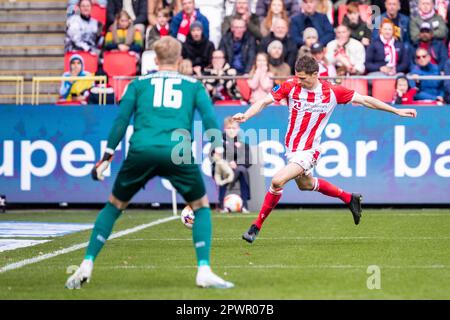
{"type": "Point", "coordinates": [233, 203]}
{"type": "Point", "coordinates": [187, 217]}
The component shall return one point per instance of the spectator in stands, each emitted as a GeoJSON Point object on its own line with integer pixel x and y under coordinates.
{"type": "Point", "coordinates": [403, 93]}
{"type": "Point", "coordinates": [242, 9]}
{"type": "Point", "coordinates": [137, 9]}
{"type": "Point", "coordinates": [221, 89]}
{"type": "Point", "coordinates": [345, 53]}
{"type": "Point", "coordinates": [280, 32]}
{"type": "Point", "coordinates": [237, 154]}
{"type": "Point", "coordinates": [436, 48]}
{"type": "Point", "coordinates": [310, 37]}
{"type": "Point", "coordinates": [385, 55]}
{"type": "Point", "coordinates": [239, 46]}
{"type": "Point", "coordinates": [263, 7]}
{"type": "Point", "coordinates": [401, 22]}
{"type": "Point", "coordinates": [358, 28]}
{"type": "Point", "coordinates": [72, 6]}
{"type": "Point", "coordinates": [325, 68]}
{"type": "Point", "coordinates": [427, 13]}
{"type": "Point", "coordinates": [326, 7]}
{"type": "Point", "coordinates": [447, 82]}
{"type": "Point", "coordinates": [186, 68]}
{"type": "Point", "coordinates": [76, 90]}
{"type": "Point", "coordinates": [214, 12]}
{"type": "Point", "coordinates": [310, 18]}
{"type": "Point", "coordinates": [260, 78]}
{"type": "Point", "coordinates": [122, 35]}
{"type": "Point", "coordinates": [180, 24]}
{"type": "Point", "coordinates": [428, 89]}
{"type": "Point", "coordinates": [197, 48]}
{"type": "Point", "coordinates": [277, 66]}
{"type": "Point", "coordinates": [155, 6]}
{"type": "Point", "coordinates": [276, 11]}
{"type": "Point", "coordinates": [160, 29]}
{"type": "Point", "coordinates": [83, 32]}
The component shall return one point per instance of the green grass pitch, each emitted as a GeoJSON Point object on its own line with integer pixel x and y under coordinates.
{"type": "Point", "coordinates": [299, 254]}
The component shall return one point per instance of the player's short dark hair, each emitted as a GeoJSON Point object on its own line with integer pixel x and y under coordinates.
{"type": "Point", "coordinates": [306, 64]}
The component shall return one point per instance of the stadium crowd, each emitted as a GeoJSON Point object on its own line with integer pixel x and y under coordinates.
{"type": "Point", "coordinates": [262, 39]}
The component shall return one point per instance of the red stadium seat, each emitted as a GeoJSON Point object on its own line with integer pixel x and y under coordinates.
{"type": "Point", "coordinates": [364, 12]}
{"type": "Point", "coordinates": [90, 60]}
{"type": "Point", "coordinates": [244, 89]}
{"type": "Point", "coordinates": [116, 63]}
{"type": "Point", "coordinates": [383, 89]}
{"type": "Point", "coordinates": [359, 85]}
{"type": "Point", "coordinates": [99, 13]}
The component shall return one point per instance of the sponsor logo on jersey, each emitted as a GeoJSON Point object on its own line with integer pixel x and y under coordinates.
{"type": "Point", "coordinates": [276, 88]}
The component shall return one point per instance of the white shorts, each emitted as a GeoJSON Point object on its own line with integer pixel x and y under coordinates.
{"type": "Point", "coordinates": [307, 159]}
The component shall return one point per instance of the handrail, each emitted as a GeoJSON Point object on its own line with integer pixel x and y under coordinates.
{"type": "Point", "coordinates": [356, 77]}
{"type": "Point", "coordinates": [37, 80]}
{"type": "Point", "coordinates": [19, 86]}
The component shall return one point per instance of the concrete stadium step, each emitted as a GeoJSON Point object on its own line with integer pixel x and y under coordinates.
{"type": "Point", "coordinates": [32, 15]}
{"type": "Point", "coordinates": [29, 74]}
{"type": "Point", "coordinates": [29, 26]}
{"type": "Point", "coordinates": [32, 63]}
{"type": "Point", "coordinates": [43, 99]}
{"type": "Point", "coordinates": [33, 4]}
{"type": "Point", "coordinates": [21, 51]}
{"type": "Point", "coordinates": [29, 39]}
{"type": "Point", "coordinates": [44, 87]}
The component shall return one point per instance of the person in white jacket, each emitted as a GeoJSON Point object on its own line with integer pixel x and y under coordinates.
{"type": "Point", "coordinates": [346, 54]}
{"type": "Point", "coordinates": [214, 11]}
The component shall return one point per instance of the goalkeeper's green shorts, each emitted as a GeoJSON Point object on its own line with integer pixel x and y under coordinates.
{"type": "Point", "coordinates": [141, 166]}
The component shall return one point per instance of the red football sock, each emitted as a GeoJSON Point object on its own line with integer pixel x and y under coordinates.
{"type": "Point", "coordinates": [331, 190]}
{"type": "Point", "coordinates": [270, 201]}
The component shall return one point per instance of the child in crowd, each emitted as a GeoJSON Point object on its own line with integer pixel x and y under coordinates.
{"type": "Point", "coordinates": [403, 93]}
{"type": "Point", "coordinates": [122, 35]}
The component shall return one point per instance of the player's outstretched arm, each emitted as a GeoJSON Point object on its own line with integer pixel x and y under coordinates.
{"type": "Point", "coordinates": [374, 103]}
{"type": "Point", "coordinates": [253, 110]}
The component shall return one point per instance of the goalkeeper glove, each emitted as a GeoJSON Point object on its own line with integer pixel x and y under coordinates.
{"type": "Point", "coordinates": [101, 166]}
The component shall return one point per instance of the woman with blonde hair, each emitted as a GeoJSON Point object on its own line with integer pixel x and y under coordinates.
{"type": "Point", "coordinates": [260, 78]}
{"type": "Point", "coordinates": [123, 36]}
{"type": "Point", "coordinates": [277, 10]}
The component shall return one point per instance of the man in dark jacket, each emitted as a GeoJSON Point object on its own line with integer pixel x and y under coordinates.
{"type": "Point", "coordinates": [197, 48]}
{"type": "Point", "coordinates": [280, 32]}
{"type": "Point", "coordinates": [139, 16]}
{"type": "Point", "coordinates": [179, 26]}
{"type": "Point", "coordinates": [435, 48]}
{"type": "Point", "coordinates": [238, 154]}
{"type": "Point", "coordinates": [239, 46]}
{"type": "Point", "coordinates": [310, 18]}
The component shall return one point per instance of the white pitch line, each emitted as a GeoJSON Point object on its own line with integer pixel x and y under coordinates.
{"type": "Point", "coordinates": [298, 238]}
{"type": "Point", "coordinates": [278, 266]}
{"type": "Point", "coordinates": [20, 264]}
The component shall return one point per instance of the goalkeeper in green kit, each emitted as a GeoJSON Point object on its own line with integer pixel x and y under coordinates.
{"type": "Point", "coordinates": [163, 103]}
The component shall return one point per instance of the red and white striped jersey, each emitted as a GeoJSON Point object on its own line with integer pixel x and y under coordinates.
{"type": "Point", "coordinates": [309, 110]}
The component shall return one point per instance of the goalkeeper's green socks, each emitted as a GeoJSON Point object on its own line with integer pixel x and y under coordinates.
{"type": "Point", "coordinates": [102, 229]}
{"type": "Point", "coordinates": [201, 235]}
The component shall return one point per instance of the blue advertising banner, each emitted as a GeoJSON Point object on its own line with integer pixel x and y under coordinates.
{"type": "Point", "coordinates": [47, 153]}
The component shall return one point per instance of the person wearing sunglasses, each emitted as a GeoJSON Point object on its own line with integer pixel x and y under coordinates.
{"type": "Point", "coordinates": [428, 89]}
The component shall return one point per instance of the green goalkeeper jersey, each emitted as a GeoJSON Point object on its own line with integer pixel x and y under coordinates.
{"type": "Point", "coordinates": [161, 102]}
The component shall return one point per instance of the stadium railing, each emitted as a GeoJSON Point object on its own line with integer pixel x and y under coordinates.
{"type": "Point", "coordinates": [359, 83]}
{"type": "Point", "coordinates": [36, 81]}
{"type": "Point", "coordinates": [19, 81]}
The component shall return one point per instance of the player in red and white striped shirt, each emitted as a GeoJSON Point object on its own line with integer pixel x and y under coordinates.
{"type": "Point", "coordinates": [311, 102]}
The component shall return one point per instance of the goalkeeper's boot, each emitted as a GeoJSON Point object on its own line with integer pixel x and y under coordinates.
{"type": "Point", "coordinates": [81, 276]}
{"type": "Point", "coordinates": [208, 279]}
{"type": "Point", "coordinates": [355, 207]}
{"type": "Point", "coordinates": [251, 234]}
